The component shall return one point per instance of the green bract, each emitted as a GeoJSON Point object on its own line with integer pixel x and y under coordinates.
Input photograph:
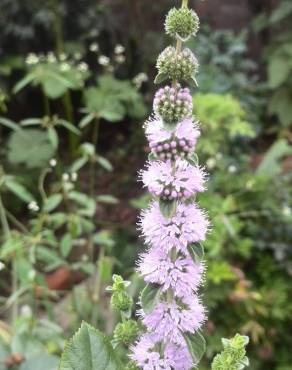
{"type": "Point", "coordinates": [177, 66]}
{"type": "Point", "coordinates": [182, 23]}
{"type": "Point", "coordinates": [233, 356]}
{"type": "Point", "coordinates": [121, 301]}
{"type": "Point", "coordinates": [126, 332]}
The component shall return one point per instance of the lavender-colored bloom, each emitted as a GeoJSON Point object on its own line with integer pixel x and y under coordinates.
{"type": "Point", "coordinates": [170, 181]}
{"type": "Point", "coordinates": [185, 130]}
{"type": "Point", "coordinates": [147, 356]}
{"type": "Point", "coordinates": [182, 275]}
{"type": "Point", "coordinates": [169, 320]}
{"type": "Point", "coordinates": [188, 225]}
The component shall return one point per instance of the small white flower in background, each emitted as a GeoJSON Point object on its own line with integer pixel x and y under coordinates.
{"type": "Point", "coordinates": [84, 257]}
{"type": "Point", "coordinates": [211, 163]}
{"type": "Point", "coordinates": [139, 79]}
{"type": "Point", "coordinates": [33, 206]}
{"type": "Point", "coordinates": [103, 60]}
{"type": "Point", "coordinates": [249, 185]}
{"type": "Point", "coordinates": [74, 176]}
{"type": "Point", "coordinates": [120, 59]}
{"type": "Point", "coordinates": [219, 156]}
{"type": "Point", "coordinates": [94, 47]}
{"type": "Point", "coordinates": [31, 274]}
{"type": "Point", "coordinates": [32, 59]}
{"type": "Point", "coordinates": [83, 67]}
{"type": "Point", "coordinates": [65, 177]}
{"type": "Point", "coordinates": [232, 168]}
{"type": "Point", "coordinates": [287, 211]}
{"type": "Point", "coordinates": [51, 58]}
{"type": "Point", "coordinates": [77, 56]}
{"type": "Point", "coordinates": [26, 310]}
{"type": "Point", "coordinates": [53, 162]}
{"type": "Point", "coordinates": [119, 49]}
{"type": "Point", "coordinates": [63, 57]}
{"type": "Point", "coordinates": [2, 266]}
{"type": "Point", "coordinates": [65, 67]}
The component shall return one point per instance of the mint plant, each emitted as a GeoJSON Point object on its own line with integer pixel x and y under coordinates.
{"type": "Point", "coordinates": [173, 227]}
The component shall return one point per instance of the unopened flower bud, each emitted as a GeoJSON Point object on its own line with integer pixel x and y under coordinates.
{"type": "Point", "coordinates": [182, 23]}
{"type": "Point", "coordinates": [126, 332]}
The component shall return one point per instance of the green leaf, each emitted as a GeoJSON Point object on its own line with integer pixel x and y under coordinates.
{"type": "Point", "coordinates": [196, 345]}
{"type": "Point", "coordinates": [52, 202]}
{"type": "Point", "coordinates": [24, 148]}
{"type": "Point", "coordinates": [23, 82]}
{"type": "Point", "coordinates": [53, 137]}
{"type": "Point", "coordinates": [160, 78]}
{"type": "Point", "coordinates": [196, 251]}
{"type": "Point", "coordinates": [18, 189]}
{"type": "Point", "coordinates": [104, 163]}
{"type": "Point", "coordinates": [103, 238]}
{"type": "Point", "coordinates": [150, 297]}
{"type": "Point", "coordinates": [10, 124]}
{"type": "Point", "coordinates": [43, 361]}
{"type": "Point", "coordinates": [78, 164]}
{"type": "Point", "coordinates": [193, 159]}
{"type": "Point", "coordinates": [107, 198]}
{"type": "Point", "coordinates": [271, 165]}
{"type": "Point", "coordinates": [89, 349]}
{"type": "Point", "coordinates": [278, 71]}
{"type": "Point", "coordinates": [66, 245]}
{"type": "Point", "coordinates": [86, 120]}
{"type": "Point", "coordinates": [167, 207]}
{"type": "Point", "coordinates": [69, 126]}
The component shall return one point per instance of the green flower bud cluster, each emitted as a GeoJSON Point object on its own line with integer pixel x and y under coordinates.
{"type": "Point", "coordinates": [182, 23]}
{"type": "Point", "coordinates": [177, 66]}
{"type": "Point", "coordinates": [132, 366]}
{"type": "Point", "coordinates": [173, 104]}
{"type": "Point", "coordinates": [126, 332]}
{"type": "Point", "coordinates": [233, 356]}
{"type": "Point", "coordinates": [120, 300]}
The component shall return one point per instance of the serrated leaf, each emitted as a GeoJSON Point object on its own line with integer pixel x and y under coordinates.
{"type": "Point", "coordinates": [160, 78]}
{"type": "Point", "coordinates": [196, 251]}
{"type": "Point", "coordinates": [89, 349]}
{"type": "Point", "coordinates": [19, 190]}
{"type": "Point", "coordinates": [167, 207]}
{"type": "Point", "coordinates": [196, 345]}
{"type": "Point", "coordinates": [149, 297]}
{"type": "Point", "coordinates": [52, 202]}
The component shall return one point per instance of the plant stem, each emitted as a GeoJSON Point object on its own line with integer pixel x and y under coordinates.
{"type": "Point", "coordinates": [92, 164]}
{"type": "Point", "coordinates": [46, 105]}
{"type": "Point", "coordinates": [59, 49]}
{"type": "Point", "coordinates": [7, 235]}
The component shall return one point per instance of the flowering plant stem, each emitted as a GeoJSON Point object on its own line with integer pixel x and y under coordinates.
{"type": "Point", "coordinates": [173, 226]}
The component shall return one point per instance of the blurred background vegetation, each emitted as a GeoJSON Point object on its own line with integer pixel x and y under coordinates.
{"type": "Point", "coordinates": [75, 88]}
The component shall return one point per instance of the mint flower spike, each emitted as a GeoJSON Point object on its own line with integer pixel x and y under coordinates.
{"type": "Point", "coordinates": [173, 226]}
{"type": "Point", "coordinates": [233, 356]}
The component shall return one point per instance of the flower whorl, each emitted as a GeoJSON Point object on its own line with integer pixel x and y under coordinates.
{"type": "Point", "coordinates": [173, 225]}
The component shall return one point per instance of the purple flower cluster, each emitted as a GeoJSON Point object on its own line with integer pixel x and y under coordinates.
{"type": "Point", "coordinates": [176, 144]}
{"type": "Point", "coordinates": [171, 227]}
{"type": "Point", "coordinates": [173, 181]}
{"type": "Point", "coordinates": [173, 104]}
